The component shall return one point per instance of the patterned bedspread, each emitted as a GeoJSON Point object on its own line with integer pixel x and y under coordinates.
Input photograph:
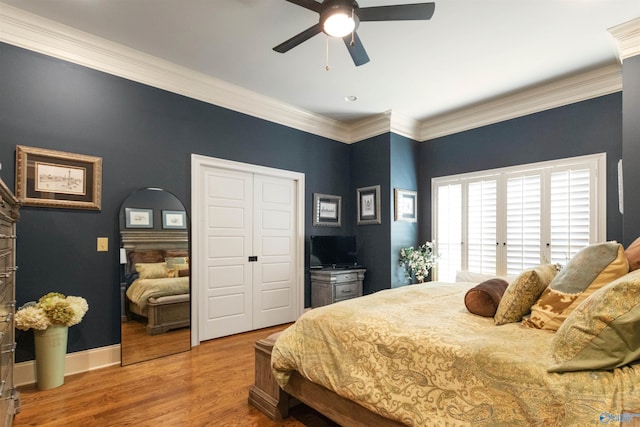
{"type": "Point", "coordinates": [142, 289]}
{"type": "Point", "coordinates": [416, 355]}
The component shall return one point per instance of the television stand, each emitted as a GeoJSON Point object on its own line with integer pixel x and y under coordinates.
{"type": "Point", "coordinates": [331, 285]}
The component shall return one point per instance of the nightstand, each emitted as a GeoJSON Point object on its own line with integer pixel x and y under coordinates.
{"type": "Point", "coordinates": [333, 285]}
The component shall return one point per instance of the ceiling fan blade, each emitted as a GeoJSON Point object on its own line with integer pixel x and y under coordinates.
{"type": "Point", "coordinates": [298, 38]}
{"type": "Point", "coordinates": [400, 12]}
{"type": "Point", "coordinates": [307, 4]}
{"type": "Point", "coordinates": [356, 49]}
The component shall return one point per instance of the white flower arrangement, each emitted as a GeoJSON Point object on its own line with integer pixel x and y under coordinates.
{"type": "Point", "coordinates": [418, 261]}
{"type": "Point", "coordinates": [52, 309]}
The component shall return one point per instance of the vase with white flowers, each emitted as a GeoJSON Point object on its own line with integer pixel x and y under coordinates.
{"type": "Point", "coordinates": [418, 261]}
{"type": "Point", "coordinates": [50, 319]}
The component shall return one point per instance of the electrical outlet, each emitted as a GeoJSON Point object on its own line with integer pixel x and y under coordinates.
{"type": "Point", "coordinates": [103, 244]}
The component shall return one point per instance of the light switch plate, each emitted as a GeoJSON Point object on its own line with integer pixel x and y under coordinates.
{"type": "Point", "coordinates": [103, 244]}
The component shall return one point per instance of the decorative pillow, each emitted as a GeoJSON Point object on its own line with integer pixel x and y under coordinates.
{"type": "Point", "coordinates": [523, 292]}
{"type": "Point", "coordinates": [173, 261]}
{"type": "Point", "coordinates": [155, 270]}
{"type": "Point", "coordinates": [170, 253]}
{"type": "Point", "coordinates": [484, 298]}
{"type": "Point", "coordinates": [183, 273]}
{"type": "Point", "coordinates": [633, 255]}
{"type": "Point", "coordinates": [602, 332]}
{"type": "Point", "coordinates": [589, 270]}
{"type": "Point", "coordinates": [146, 256]}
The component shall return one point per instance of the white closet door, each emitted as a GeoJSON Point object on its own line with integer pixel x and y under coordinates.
{"type": "Point", "coordinates": [226, 300]}
{"type": "Point", "coordinates": [274, 244]}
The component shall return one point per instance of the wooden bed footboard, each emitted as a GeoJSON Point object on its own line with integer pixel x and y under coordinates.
{"type": "Point", "coordinates": [274, 402]}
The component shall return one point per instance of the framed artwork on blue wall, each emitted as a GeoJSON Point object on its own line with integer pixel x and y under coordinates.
{"type": "Point", "coordinates": [56, 179]}
{"type": "Point", "coordinates": [369, 205]}
{"type": "Point", "coordinates": [406, 205]}
{"type": "Point", "coordinates": [327, 210]}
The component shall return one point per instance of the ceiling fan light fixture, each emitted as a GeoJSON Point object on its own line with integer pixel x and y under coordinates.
{"type": "Point", "coordinates": [339, 24]}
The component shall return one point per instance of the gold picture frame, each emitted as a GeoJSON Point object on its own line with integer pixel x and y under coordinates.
{"type": "Point", "coordinates": [56, 179]}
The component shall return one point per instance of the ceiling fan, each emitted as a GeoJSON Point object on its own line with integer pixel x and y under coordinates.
{"type": "Point", "coordinates": [340, 18]}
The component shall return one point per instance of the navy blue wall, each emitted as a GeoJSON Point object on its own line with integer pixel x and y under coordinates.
{"type": "Point", "coordinates": [404, 176]}
{"type": "Point", "coordinates": [631, 147]}
{"type": "Point", "coordinates": [370, 166]}
{"type": "Point", "coordinates": [145, 137]}
{"type": "Point", "coordinates": [587, 127]}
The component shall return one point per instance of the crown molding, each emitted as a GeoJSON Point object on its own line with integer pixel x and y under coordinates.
{"type": "Point", "coordinates": [628, 37]}
{"type": "Point", "coordinates": [591, 84]}
{"type": "Point", "coordinates": [41, 35]}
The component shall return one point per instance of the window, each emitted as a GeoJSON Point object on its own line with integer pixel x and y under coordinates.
{"type": "Point", "coordinates": [505, 220]}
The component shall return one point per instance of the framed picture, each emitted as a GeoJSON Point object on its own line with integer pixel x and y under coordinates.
{"type": "Point", "coordinates": [57, 179]}
{"type": "Point", "coordinates": [138, 218]}
{"type": "Point", "coordinates": [369, 205]}
{"type": "Point", "coordinates": [174, 220]}
{"type": "Point", "coordinates": [406, 205]}
{"type": "Point", "coordinates": [327, 210]}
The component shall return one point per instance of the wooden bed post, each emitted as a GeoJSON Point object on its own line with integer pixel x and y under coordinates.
{"type": "Point", "coordinates": [266, 394]}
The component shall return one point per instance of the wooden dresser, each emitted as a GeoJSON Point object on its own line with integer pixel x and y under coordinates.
{"type": "Point", "coordinates": [9, 213]}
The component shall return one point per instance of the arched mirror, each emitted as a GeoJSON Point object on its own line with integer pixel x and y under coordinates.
{"type": "Point", "coordinates": [155, 276]}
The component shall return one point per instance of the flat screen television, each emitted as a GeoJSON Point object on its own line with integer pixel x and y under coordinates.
{"type": "Point", "coordinates": [333, 252]}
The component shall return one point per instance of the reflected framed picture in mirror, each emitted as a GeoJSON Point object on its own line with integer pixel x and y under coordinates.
{"type": "Point", "coordinates": [139, 218]}
{"type": "Point", "coordinates": [174, 220]}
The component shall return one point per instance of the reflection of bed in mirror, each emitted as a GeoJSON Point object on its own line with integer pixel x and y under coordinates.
{"type": "Point", "coordinates": [157, 279]}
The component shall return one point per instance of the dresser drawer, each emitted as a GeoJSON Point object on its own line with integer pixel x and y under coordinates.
{"type": "Point", "coordinates": [347, 290]}
{"type": "Point", "coordinates": [345, 277]}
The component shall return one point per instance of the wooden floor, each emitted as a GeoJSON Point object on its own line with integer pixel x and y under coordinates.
{"type": "Point", "coordinates": [207, 386]}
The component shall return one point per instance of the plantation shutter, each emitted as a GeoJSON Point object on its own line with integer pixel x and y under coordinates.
{"type": "Point", "coordinates": [523, 200]}
{"type": "Point", "coordinates": [482, 226]}
{"type": "Point", "coordinates": [569, 213]}
{"type": "Point", "coordinates": [449, 231]}
{"type": "Point", "coordinates": [516, 218]}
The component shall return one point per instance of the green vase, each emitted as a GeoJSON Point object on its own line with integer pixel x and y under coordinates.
{"type": "Point", "coordinates": [51, 352]}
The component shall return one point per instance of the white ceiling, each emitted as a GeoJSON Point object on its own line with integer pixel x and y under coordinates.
{"type": "Point", "coordinates": [470, 51]}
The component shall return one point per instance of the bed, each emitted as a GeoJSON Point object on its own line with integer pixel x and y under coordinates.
{"type": "Point", "coordinates": [157, 279]}
{"type": "Point", "coordinates": [417, 356]}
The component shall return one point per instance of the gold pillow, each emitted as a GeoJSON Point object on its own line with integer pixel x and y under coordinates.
{"type": "Point", "coordinates": [589, 270]}
{"type": "Point", "coordinates": [523, 292]}
{"type": "Point", "coordinates": [633, 255]}
{"type": "Point", "coordinates": [601, 333]}
{"type": "Point", "coordinates": [153, 270]}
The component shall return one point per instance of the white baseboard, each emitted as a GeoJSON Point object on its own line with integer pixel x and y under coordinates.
{"type": "Point", "coordinates": [81, 361]}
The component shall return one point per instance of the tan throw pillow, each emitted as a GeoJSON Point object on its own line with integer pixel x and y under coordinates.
{"type": "Point", "coordinates": [589, 270]}
{"type": "Point", "coordinates": [602, 332]}
{"type": "Point", "coordinates": [483, 299]}
{"type": "Point", "coordinates": [633, 255]}
{"type": "Point", "coordinates": [155, 270]}
{"type": "Point", "coordinates": [523, 292]}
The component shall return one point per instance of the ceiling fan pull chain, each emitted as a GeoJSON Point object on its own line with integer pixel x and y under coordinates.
{"type": "Point", "coordinates": [353, 33]}
{"type": "Point", "coordinates": [327, 50]}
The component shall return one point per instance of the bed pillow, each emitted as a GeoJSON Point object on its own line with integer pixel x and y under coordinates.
{"type": "Point", "coordinates": [589, 270]}
{"type": "Point", "coordinates": [146, 256]}
{"type": "Point", "coordinates": [155, 270]}
{"type": "Point", "coordinates": [633, 255]}
{"type": "Point", "coordinates": [523, 292]}
{"type": "Point", "coordinates": [173, 261]}
{"type": "Point", "coordinates": [483, 299]}
{"type": "Point", "coordinates": [601, 333]}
